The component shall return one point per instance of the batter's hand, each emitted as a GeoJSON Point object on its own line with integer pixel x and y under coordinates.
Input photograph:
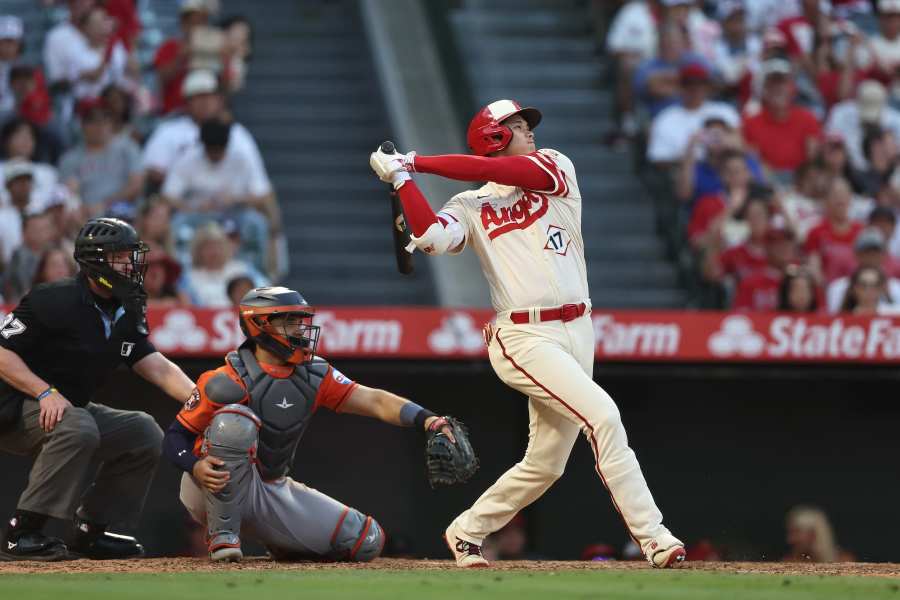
{"type": "Point", "coordinates": [52, 409]}
{"type": "Point", "coordinates": [391, 168]}
{"type": "Point", "coordinates": [208, 476]}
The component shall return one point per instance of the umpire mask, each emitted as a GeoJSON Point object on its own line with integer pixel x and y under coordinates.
{"type": "Point", "coordinates": [110, 252]}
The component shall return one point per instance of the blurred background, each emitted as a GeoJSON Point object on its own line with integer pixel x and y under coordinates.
{"type": "Point", "coordinates": [733, 156]}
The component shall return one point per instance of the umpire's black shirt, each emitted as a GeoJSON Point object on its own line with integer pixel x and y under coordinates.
{"type": "Point", "coordinates": [70, 338]}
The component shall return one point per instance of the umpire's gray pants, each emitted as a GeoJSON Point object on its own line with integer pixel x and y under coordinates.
{"type": "Point", "coordinates": [125, 445]}
{"type": "Point", "coordinates": [289, 518]}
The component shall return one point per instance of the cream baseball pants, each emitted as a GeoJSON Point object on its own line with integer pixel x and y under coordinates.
{"type": "Point", "coordinates": [552, 363]}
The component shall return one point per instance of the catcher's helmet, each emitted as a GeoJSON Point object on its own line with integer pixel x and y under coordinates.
{"type": "Point", "coordinates": [487, 134]}
{"type": "Point", "coordinates": [95, 245]}
{"type": "Point", "coordinates": [294, 342]}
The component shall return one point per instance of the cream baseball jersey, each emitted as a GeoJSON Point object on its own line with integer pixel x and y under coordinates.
{"type": "Point", "coordinates": [529, 242]}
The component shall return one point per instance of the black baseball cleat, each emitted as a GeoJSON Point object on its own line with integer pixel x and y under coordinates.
{"type": "Point", "coordinates": [106, 546]}
{"type": "Point", "coordinates": [94, 542]}
{"type": "Point", "coordinates": [34, 545]}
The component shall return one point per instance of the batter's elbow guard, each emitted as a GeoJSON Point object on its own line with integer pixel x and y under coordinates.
{"type": "Point", "coordinates": [357, 538]}
{"type": "Point", "coordinates": [436, 240]}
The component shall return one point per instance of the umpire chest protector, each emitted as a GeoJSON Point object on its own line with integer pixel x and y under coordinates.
{"type": "Point", "coordinates": [284, 405]}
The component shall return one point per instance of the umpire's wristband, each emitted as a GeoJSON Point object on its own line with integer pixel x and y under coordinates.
{"type": "Point", "coordinates": [45, 393]}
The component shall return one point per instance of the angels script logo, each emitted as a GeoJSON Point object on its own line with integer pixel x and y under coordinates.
{"type": "Point", "coordinates": [525, 211]}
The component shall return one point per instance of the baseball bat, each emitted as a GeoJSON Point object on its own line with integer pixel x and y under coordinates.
{"type": "Point", "coordinates": [398, 225]}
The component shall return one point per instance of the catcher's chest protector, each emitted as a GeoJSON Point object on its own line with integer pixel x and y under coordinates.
{"type": "Point", "coordinates": [283, 405]}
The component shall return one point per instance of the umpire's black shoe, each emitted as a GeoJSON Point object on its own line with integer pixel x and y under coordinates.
{"type": "Point", "coordinates": [34, 545]}
{"type": "Point", "coordinates": [106, 546]}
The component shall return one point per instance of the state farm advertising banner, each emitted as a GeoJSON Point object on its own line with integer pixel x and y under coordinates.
{"type": "Point", "coordinates": [628, 336]}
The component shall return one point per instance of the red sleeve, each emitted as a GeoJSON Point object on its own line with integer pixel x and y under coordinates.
{"type": "Point", "coordinates": [416, 209]}
{"type": "Point", "coordinates": [814, 127]}
{"type": "Point", "coordinates": [125, 14]}
{"type": "Point", "coordinates": [36, 106]}
{"type": "Point", "coordinates": [532, 172]}
{"type": "Point", "coordinates": [166, 53]}
{"type": "Point", "coordinates": [812, 243]}
{"type": "Point", "coordinates": [793, 46]}
{"type": "Point", "coordinates": [728, 260]}
{"type": "Point", "coordinates": [749, 130]}
{"type": "Point", "coordinates": [707, 209]}
{"type": "Point", "coordinates": [334, 389]}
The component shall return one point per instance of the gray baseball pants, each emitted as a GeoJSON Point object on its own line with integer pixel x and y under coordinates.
{"type": "Point", "coordinates": [97, 460]}
{"type": "Point", "coordinates": [294, 521]}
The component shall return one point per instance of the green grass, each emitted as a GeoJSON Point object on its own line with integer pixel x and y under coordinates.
{"type": "Point", "coordinates": [517, 585]}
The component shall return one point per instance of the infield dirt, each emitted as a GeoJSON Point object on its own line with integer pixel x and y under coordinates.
{"type": "Point", "coordinates": [193, 565]}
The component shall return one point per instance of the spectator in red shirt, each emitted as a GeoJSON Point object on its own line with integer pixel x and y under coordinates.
{"type": "Point", "coordinates": [829, 245]}
{"type": "Point", "coordinates": [834, 62]}
{"type": "Point", "coordinates": [760, 291]}
{"type": "Point", "coordinates": [127, 22]}
{"type": "Point", "coordinates": [784, 134]}
{"type": "Point", "coordinates": [173, 57]}
{"type": "Point", "coordinates": [800, 32]}
{"type": "Point", "coordinates": [798, 291]}
{"type": "Point", "coordinates": [23, 91]}
{"type": "Point", "coordinates": [743, 260]}
{"type": "Point", "coordinates": [718, 219]}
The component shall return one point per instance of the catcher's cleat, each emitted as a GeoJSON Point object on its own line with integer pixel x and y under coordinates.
{"type": "Point", "coordinates": [665, 552]}
{"type": "Point", "coordinates": [34, 545]}
{"type": "Point", "coordinates": [225, 547]}
{"type": "Point", "coordinates": [467, 554]}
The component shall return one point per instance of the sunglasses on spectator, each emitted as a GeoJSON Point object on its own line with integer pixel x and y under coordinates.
{"type": "Point", "coordinates": [868, 282]}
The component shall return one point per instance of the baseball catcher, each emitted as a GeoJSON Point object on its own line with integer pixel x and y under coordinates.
{"type": "Point", "coordinates": [237, 435]}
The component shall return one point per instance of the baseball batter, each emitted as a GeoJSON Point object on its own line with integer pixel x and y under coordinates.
{"type": "Point", "coordinates": [236, 437]}
{"type": "Point", "coordinates": [525, 226]}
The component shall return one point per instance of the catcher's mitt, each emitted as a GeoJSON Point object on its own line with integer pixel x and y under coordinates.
{"type": "Point", "coordinates": [446, 462]}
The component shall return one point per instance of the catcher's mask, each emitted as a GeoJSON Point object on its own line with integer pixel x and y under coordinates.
{"type": "Point", "coordinates": [110, 252]}
{"type": "Point", "coordinates": [279, 320]}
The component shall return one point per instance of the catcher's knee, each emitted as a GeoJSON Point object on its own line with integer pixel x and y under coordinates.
{"type": "Point", "coordinates": [357, 538]}
{"type": "Point", "coordinates": [233, 430]}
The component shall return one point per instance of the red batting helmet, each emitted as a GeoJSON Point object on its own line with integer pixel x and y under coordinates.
{"type": "Point", "coordinates": [486, 133]}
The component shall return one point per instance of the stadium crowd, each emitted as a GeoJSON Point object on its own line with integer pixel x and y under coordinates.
{"type": "Point", "coordinates": [104, 126]}
{"type": "Point", "coordinates": [774, 127]}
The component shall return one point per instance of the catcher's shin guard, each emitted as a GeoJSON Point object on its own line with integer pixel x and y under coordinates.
{"type": "Point", "coordinates": [231, 436]}
{"type": "Point", "coordinates": [357, 537]}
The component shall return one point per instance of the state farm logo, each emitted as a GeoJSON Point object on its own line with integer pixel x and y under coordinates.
{"type": "Point", "coordinates": [636, 339]}
{"type": "Point", "coordinates": [457, 333]}
{"type": "Point", "coordinates": [179, 330]}
{"type": "Point", "coordinates": [802, 338]}
{"type": "Point", "coordinates": [525, 211]}
{"type": "Point", "coordinates": [358, 335]}
{"type": "Point", "coordinates": [737, 336]}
